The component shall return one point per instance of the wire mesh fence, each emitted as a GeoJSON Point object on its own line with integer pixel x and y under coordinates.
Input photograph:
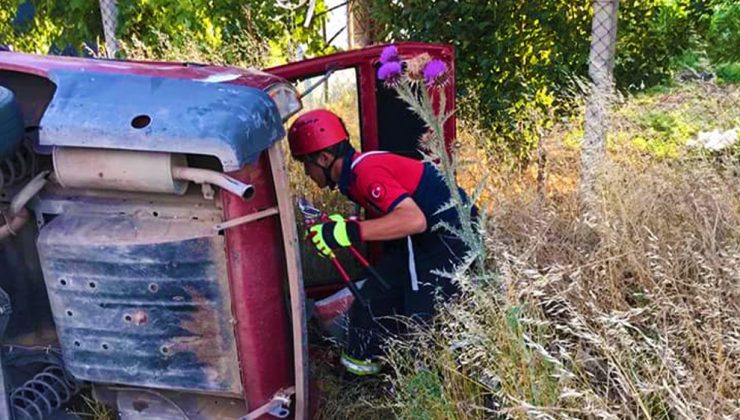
{"type": "Point", "coordinates": [109, 14]}
{"type": "Point", "coordinates": [601, 65]}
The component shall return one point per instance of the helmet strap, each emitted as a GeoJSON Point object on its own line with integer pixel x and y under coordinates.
{"type": "Point", "coordinates": [327, 172]}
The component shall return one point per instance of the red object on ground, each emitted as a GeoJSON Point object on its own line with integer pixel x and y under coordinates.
{"type": "Point", "coordinates": [329, 309]}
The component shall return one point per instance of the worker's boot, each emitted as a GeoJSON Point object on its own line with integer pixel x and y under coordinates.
{"type": "Point", "coordinates": [357, 367]}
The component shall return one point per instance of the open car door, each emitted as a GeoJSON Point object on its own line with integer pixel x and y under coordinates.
{"type": "Point", "coordinates": [382, 121]}
{"type": "Point", "coordinates": [386, 123]}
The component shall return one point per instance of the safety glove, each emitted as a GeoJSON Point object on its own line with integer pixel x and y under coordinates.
{"type": "Point", "coordinates": [337, 233]}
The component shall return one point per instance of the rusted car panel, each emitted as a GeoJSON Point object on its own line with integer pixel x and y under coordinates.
{"type": "Point", "coordinates": [141, 301]}
{"type": "Point", "coordinates": [135, 112]}
{"type": "Point", "coordinates": [257, 272]}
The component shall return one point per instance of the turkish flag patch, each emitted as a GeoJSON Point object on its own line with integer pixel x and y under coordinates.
{"type": "Point", "coordinates": [376, 191]}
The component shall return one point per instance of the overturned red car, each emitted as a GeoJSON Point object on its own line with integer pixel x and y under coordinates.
{"type": "Point", "coordinates": [148, 244]}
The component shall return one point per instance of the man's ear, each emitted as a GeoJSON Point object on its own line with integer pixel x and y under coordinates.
{"type": "Point", "coordinates": [324, 158]}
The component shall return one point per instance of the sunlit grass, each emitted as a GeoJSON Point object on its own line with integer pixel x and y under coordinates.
{"type": "Point", "coordinates": [634, 316]}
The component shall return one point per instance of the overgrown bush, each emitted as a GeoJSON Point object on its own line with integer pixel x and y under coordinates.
{"type": "Point", "coordinates": [651, 34]}
{"type": "Point", "coordinates": [219, 29]}
{"type": "Point", "coordinates": [510, 55]}
{"type": "Point", "coordinates": [222, 31]}
{"type": "Point", "coordinates": [723, 36]}
{"type": "Point", "coordinates": [729, 73]}
{"type": "Point", "coordinates": [37, 26]}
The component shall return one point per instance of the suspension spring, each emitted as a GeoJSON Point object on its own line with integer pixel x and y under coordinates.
{"type": "Point", "coordinates": [43, 394]}
{"type": "Point", "coordinates": [19, 167]}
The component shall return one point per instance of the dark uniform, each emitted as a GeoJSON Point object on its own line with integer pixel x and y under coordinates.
{"type": "Point", "coordinates": [378, 181]}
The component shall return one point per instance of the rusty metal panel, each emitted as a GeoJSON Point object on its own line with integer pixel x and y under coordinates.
{"type": "Point", "coordinates": [141, 301]}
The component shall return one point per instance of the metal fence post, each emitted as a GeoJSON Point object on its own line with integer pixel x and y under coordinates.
{"type": "Point", "coordinates": [600, 70]}
{"type": "Point", "coordinates": [109, 14]}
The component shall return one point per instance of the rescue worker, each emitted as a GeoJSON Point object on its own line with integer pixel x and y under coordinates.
{"type": "Point", "coordinates": [402, 196]}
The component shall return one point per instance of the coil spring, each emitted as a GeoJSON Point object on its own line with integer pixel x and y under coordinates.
{"type": "Point", "coordinates": [43, 394]}
{"type": "Point", "coordinates": [19, 167]}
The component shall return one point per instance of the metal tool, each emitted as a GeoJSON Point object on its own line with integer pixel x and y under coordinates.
{"type": "Point", "coordinates": [312, 216]}
{"type": "Point", "coordinates": [316, 214]}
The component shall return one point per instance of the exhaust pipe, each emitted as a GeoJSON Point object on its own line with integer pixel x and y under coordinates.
{"type": "Point", "coordinates": [205, 176]}
{"type": "Point", "coordinates": [127, 170]}
{"type": "Point", "coordinates": [14, 224]}
{"type": "Point", "coordinates": [18, 214]}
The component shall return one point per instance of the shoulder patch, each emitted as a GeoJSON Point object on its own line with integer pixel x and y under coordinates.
{"type": "Point", "coordinates": [376, 191]}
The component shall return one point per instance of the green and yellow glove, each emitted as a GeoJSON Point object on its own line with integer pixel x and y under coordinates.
{"type": "Point", "coordinates": [339, 233]}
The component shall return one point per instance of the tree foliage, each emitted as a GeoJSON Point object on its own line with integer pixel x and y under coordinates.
{"type": "Point", "coordinates": [510, 53]}
{"type": "Point", "coordinates": [226, 30]}
{"type": "Point", "coordinates": [42, 25]}
{"type": "Point", "coordinates": [517, 59]}
{"type": "Point", "coordinates": [233, 31]}
{"type": "Point", "coordinates": [723, 36]}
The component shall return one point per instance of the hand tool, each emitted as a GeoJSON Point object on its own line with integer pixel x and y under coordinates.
{"type": "Point", "coordinates": [312, 216]}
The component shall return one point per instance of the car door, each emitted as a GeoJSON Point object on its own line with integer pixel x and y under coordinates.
{"type": "Point", "coordinates": [385, 122]}
{"type": "Point", "coordinates": [375, 118]}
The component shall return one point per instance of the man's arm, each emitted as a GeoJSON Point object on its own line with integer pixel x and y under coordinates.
{"type": "Point", "coordinates": [404, 220]}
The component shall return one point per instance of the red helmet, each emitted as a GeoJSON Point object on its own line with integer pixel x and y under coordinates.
{"type": "Point", "coordinates": [315, 130]}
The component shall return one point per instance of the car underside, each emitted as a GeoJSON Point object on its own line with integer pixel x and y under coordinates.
{"type": "Point", "coordinates": [148, 244]}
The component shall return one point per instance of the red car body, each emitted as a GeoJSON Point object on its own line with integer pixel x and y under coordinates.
{"type": "Point", "coordinates": [264, 331]}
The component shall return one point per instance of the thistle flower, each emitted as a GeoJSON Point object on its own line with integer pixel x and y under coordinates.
{"type": "Point", "coordinates": [415, 66]}
{"type": "Point", "coordinates": [435, 73]}
{"type": "Point", "coordinates": [390, 73]}
{"type": "Point", "coordinates": [425, 141]}
{"type": "Point", "coordinates": [389, 54]}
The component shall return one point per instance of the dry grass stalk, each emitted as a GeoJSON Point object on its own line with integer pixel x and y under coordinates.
{"type": "Point", "coordinates": [635, 317]}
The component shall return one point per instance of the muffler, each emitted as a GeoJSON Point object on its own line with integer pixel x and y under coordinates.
{"type": "Point", "coordinates": [127, 170]}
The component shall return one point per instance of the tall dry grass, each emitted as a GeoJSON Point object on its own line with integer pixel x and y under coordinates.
{"type": "Point", "coordinates": [631, 313]}
{"type": "Point", "coordinates": [634, 316]}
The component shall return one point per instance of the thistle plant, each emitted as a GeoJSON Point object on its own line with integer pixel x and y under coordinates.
{"type": "Point", "coordinates": [420, 82]}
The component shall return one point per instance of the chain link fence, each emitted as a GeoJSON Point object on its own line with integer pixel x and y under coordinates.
{"type": "Point", "coordinates": [109, 14]}
{"type": "Point", "coordinates": [600, 71]}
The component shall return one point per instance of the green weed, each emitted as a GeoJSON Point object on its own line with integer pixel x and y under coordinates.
{"type": "Point", "coordinates": [729, 73]}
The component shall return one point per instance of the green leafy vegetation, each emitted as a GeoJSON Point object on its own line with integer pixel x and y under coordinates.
{"type": "Point", "coordinates": [723, 36]}
{"type": "Point", "coordinates": [660, 125]}
{"type": "Point", "coordinates": [729, 73]}
{"type": "Point", "coordinates": [510, 56]}
{"type": "Point", "coordinates": [225, 31]}
{"type": "Point", "coordinates": [40, 24]}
